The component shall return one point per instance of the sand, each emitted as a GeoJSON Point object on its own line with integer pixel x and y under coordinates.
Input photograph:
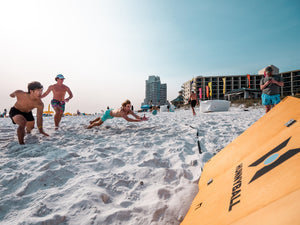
{"type": "Point", "coordinates": [119, 173]}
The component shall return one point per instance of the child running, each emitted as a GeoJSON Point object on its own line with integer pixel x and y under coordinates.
{"type": "Point", "coordinates": [124, 111]}
{"type": "Point", "coordinates": [270, 86]}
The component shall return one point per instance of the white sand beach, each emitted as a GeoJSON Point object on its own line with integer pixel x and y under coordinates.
{"type": "Point", "coordinates": [119, 173]}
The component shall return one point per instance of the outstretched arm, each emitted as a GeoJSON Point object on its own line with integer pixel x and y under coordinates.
{"type": "Point", "coordinates": [131, 120]}
{"type": "Point", "coordinates": [133, 114]}
{"type": "Point", "coordinates": [138, 118]}
{"type": "Point", "coordinates": [47, 92]}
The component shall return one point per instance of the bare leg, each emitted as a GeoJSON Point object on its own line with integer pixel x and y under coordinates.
{"type": "Point", "coordinates": [57, 117]}
{"type": "Point", "coordinates": [21, 121]}
{"type": "Point", "coordinates": [97, 123]}
{"type": "Point", "coordinates": [95, 120]}
{"type": "Point", "coordinates": [194, 113]}
{"type": "Point", "coordinates": [29, 126]}
{"type": "Point", "coordinates": [267, 108]}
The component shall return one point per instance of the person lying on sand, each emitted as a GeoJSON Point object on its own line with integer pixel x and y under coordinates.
{"type": "Point", "coordinates": [21, 113]}
{"type": "Point", "coordinates": [124, 111]}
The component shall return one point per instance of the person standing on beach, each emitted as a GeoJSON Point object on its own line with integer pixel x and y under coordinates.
{"type": "Point", "coordinates": [4, 113]}
{"type": "Point", "coordinates": [270, 86]}
{"type": "Point", "coordinates": [194, 100]}
{"type": "Point", "coordinates": [168, 106]}
{"type": "Point", "coordinates": [21, 112]}
{"type": "Point", "coordinates": [124, 111]}
{"type": "Point", "coordinates": [59, 101]}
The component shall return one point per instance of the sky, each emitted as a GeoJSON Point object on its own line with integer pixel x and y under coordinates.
{"type": "Point", "coordinates": [106, 49]}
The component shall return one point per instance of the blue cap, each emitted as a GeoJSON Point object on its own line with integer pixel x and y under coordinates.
{"type": "Point", "coordinates": [60, 76]}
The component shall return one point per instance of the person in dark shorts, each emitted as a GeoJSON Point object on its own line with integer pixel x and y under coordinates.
{"type": "Point", "coordinates": [58, 102]}
{"type": "Point", "coordinates": [194, 101]}
{"type": "Point", "coordinates": [21, 112]}
{"type": "Point", "coordinates": [270, 86]}
{"type": "Point", "coordinates": [14, 111]}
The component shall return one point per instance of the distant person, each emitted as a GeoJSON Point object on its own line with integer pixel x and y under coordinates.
{"type": "Point", "coordinates": [150, 105]}
{"type": "Point", "coordinates": [4, 113]}
{"type": "Point", "coordinates": [124, 111]}
{"type": "Point", "coordinates": [59, 101]}
{"type": "Point", "coordinates": [168, 106]}
{"type": "Point", "coordinates": [78, 112]}
{"type": "Point", "coordinates": [270, 86]}
{"type": "Point", "coordinates": [193, 100]}
{"type": "Point", "coordinates": [21, 112]}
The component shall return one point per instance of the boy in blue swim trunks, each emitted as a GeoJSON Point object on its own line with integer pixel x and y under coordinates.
{"type": "Point", "coordinates": [270, 86]}
{"type": "Point", "coordinates": [124, 111]}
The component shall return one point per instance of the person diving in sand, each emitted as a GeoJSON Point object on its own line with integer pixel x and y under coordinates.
{"type": "Point", "coordinates": [124, 111]}
{"type": "Point", "coordinates": [21, 112]}
{"type": "Point", "coordinates": [58, 102]}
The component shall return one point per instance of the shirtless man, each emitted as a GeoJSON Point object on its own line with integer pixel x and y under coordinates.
{"type": "Point", "coordinates": [58, 102]}
{"type": "Point", "coordinates": [122, 112]}
{"type": "Point", "coordinates": [194, 100]}
{"type": "Point", "coordinates": [21, 113]}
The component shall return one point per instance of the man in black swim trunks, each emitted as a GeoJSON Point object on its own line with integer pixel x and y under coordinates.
{"type": "Point", "coordinates": [194, 100]}
{"type": "Point", "coordinates": [21, 112]}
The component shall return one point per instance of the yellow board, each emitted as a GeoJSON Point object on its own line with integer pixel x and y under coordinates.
{"type": "Point", "coordinates": [48, 112]}
{"type": "Point", "coordinates": [256, 178]}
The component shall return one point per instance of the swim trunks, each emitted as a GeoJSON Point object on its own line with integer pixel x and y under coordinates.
{"type": "Point", "coordinates": [270, 99]}
{"type": "Point", "coordinates": [193, 103]}
{"type": "Point", "coordinates": [14, 111]}
{"type": "Point", "coordinates": [107, 115]}
{"type": "Point", "coordinates": [60, 104]}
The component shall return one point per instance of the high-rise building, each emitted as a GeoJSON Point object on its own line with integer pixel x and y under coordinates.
{"type": "Point", "coordinates": [156, 92]}
{"type": "Point", "coordinates": [163, 94]}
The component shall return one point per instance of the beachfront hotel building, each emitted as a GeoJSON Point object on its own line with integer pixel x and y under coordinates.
{"type": "Point", "coordinates": [156, 92]}
{"type": "Point", "coordinates": [238, 86]}
{"type": "Point", "coordinates": [187, 87]}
